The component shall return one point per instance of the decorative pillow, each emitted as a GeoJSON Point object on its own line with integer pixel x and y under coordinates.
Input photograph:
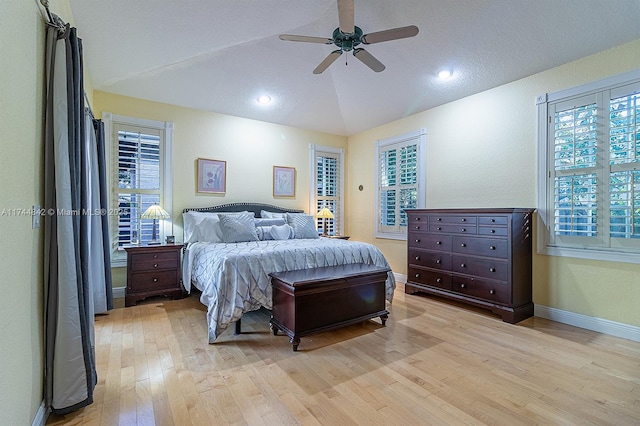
{"type": "Point", "coordinates": [264, 233]}
{"type": "Point", "coordinates": [281, 232]}
{"type": "Point", "coordinates": [238, 228]}
{"type": "Point", "coordinates": [303, 225]}
{"type": "Point", "coordinates": [272, 215]}
{"type": "Point", "coordinates": [268, 221]}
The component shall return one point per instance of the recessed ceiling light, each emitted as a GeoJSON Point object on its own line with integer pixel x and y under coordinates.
{"type": "Point", "coordinates": [445, 74]}
{"type": "Point", "coordinates": [264, 99]}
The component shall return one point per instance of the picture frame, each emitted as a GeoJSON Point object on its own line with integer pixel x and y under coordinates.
{"type": "Point", "coordinates": [212, 176]}
{"type": "Point", "coordinates": [284, 181]}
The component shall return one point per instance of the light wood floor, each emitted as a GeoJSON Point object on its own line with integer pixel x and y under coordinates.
{"type": "Point", "coordinates": [434, 363]}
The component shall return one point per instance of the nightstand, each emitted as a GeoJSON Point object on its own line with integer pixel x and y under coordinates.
{"type": "Point", "coordinates": [153, 271]}
{"type": "Point", "coordinates": [340, 237]}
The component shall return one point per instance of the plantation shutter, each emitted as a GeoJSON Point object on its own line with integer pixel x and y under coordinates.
{"type": "Point", "coordinates": [328, 190]}
{"type": "Point", "coordinates": [139, 174]}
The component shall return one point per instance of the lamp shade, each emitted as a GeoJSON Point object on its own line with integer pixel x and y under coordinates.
{"type": "Point", "coordinates": [325, 213]}
{"type": "Point", "coordinates": [155, 212]}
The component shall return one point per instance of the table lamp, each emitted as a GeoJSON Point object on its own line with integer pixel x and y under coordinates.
{"type": "Point", "coordinates": [325, 214]}
{"type": "Point", "coordinates": [155, 212]}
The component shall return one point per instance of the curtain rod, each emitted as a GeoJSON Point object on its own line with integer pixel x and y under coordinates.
{"type": "Point", "coordinates": [52, 19]}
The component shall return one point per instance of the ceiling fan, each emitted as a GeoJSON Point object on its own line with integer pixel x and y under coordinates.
{"type": "Point", "coordinates": [347, 36]}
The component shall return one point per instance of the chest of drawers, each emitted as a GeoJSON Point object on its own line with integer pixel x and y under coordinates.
{"type": "Point", "coordinates": [153, 271]}
{"type": "Point", "coordinates": [477, 256]}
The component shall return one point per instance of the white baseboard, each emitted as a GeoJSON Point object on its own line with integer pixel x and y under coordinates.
{"type": "Point", "coordinates": [41, 416]}
{"type": "Point", "coordinates": [118, 292]}
{"type": "Point", "coordinates": [600, 325]}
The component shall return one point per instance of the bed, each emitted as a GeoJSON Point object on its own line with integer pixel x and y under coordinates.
{"type": "Point", "coordinates": [229, 263]}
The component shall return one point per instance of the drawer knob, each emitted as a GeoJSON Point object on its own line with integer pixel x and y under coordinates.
{"type": "Point", "coordinates": [417, 218]}
{"type": "Point", "coordinates": [155, 280]}
{"type": "Point", "coordinates": [492, 247]}
{"type": "Point", "coordinates": [492, 291]}
{"type": "Point", "coordinates": [438, 242]}
{"type": "Point", "coordinates": [155, 265]}
{"type": "Point", "coordinates": [417, 257]}
{"type": "Point", "coordinates": [438, 219]}
{"type": "Point", "coordinates": [439, 229]}
{"type": "Point", "coordinates": [493, 220]}
{"type": "Point", "coordinates": [417, 227]}
{"type": "Point", "coordinates": [438, 261]}
{"type": "Point", "coordinates": [417, 275]}
{"type": "Point", "coordinates": [438, 280]}
{"type": "Point", "coordinates": [464, 230]}
{"type": "Point", "coordinates": [493, 231]}
{"type": "Point", "coordinates": [155, 256]}
{"type": "Point", "coordinates": [463, 285]}
{"type": "Point", "coordinates": [417, 241]}
{"type": "Point", "coordinates": [463, 245]}
{"type": "Point", "coordinates": [463, 265]}
{"type": "Point", "coordinates": [492, 269]}
{"type": "Point", "coordinates": [464, 220]}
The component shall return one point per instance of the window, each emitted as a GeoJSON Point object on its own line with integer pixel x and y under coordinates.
{"type": "Point", "coordinates": [400, 179]}
{"type": "Point", "coordinates": [140, 170]}
{"type": "Point", "coordinates": [589, 139]}
{"type": "Point", "coordinates": [327, 171]}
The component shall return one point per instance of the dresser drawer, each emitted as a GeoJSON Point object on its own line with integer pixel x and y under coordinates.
{"type": "Point", "coordinates": [153, 261]}
{"type": "Point", "coordinates": [494, 291]}
{"type": "Point", "coordinates": [429, 241]}
{"type": "Point", "coordinates": [430, 278]}
{"type": "Point", "coordinates": [453, 219]}
{"type": "Point", "coordinates": [488, 268]}
{"type": "Point", "coordinates": [430, 259]}
{"type": "Point", "coordinates": [452, 229]}
{"type": "Point", "coordinates": [493, 230]}
{"type": "Point", "coordinates": [493, 220]}
{"type": "Point", "coordinates": [156, 280]}
{"type": "Point", "coordinates": [489, 247]}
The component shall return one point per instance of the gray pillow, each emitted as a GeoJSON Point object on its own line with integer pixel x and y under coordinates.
{"type": "Point", "coordinates": [236, 229]}
{"type": "Point", "coordinates": [272, 215]}
{"type": "Point", "coordinates": [303, 225]}
{"type": "Point", "coordinates": [269, 221]}
{"type": "Point", "coordinates": [281, 232]}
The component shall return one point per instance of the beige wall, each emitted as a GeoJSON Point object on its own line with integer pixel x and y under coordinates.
{"type": "Point", "coordinates": [481, 152]}
{"type": "Point", "coordinates": [21, 135]}
{"type": "Point", "coordinates": [251, 148]}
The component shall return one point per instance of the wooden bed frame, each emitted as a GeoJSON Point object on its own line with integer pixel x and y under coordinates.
{"type": "Point", "coordinates": [240, 207]}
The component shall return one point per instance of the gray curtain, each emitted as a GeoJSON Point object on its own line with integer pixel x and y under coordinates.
{"type": "Point", "coordinates": [75, 266]}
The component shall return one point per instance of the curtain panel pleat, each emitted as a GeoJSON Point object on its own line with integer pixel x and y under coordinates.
{"type": "Point", "coordinates": [75, 269]}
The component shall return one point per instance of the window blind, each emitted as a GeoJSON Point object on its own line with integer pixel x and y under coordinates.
{"type": "Point", "coordinates": [328, 190]}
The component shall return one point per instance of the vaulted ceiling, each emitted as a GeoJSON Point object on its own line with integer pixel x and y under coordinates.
{"type": "Point", "coordinates": [220, 55]}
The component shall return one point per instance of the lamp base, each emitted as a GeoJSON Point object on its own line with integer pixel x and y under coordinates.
{"type": "Point", "coordinates": [154, 243]}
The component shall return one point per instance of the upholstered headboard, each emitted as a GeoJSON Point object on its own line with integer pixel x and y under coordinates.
{"type": "Point", "coordinates": [240, 207]}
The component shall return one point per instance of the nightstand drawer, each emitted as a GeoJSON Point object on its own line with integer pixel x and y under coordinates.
{"type": "Point", "coordinates": [153, 261]}
{"type": "Point", "coordinates": [153, 280]}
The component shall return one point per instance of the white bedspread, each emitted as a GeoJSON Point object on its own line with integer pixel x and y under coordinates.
{"type": "Point", "coordinates": [234, 277]}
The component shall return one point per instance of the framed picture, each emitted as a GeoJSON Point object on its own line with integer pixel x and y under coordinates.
{"type": "Point", "coordinates": [212, 176]}
{"type": "Point", "coordinates": [284, 181]}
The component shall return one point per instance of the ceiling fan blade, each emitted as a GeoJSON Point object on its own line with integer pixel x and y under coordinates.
{"type": "Point", "coordinates": [368, 59]}
{"type": "Point", "coordinates": [306, 39]}
{"type": "Point", "coordinates": [393, 34]}
{"type": "Point", "coordinates": [345, 16]}
{"type": "Point", "coordinates": [327, 61]}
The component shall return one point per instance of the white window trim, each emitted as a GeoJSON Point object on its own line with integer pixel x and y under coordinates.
{"type": "Point", "coordinates": [313, 191]}
{"type": "Point", "coordinates": [421, 135]}
{"type": "Point", "coordinates": [109, 119]}
{"type": "Point", "coordinates": [545, 212]}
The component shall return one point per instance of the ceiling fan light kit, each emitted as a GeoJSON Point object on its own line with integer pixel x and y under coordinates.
{"type": "Point", "coordinates": [347, 36]}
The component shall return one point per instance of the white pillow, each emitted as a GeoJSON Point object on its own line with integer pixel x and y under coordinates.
{"type": "Point", "coordinates": [205, 226]}
{"type": "Point", "coordinates": [304, 226]}
{"type": "Point", "coordinates": [272, 215]}
{"type": "Point", "coordinates": [281, 232]}
{"type": "Point", "coordinates": [269, 221]}
{"type": "Point", "coordinates": [238, 228]}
